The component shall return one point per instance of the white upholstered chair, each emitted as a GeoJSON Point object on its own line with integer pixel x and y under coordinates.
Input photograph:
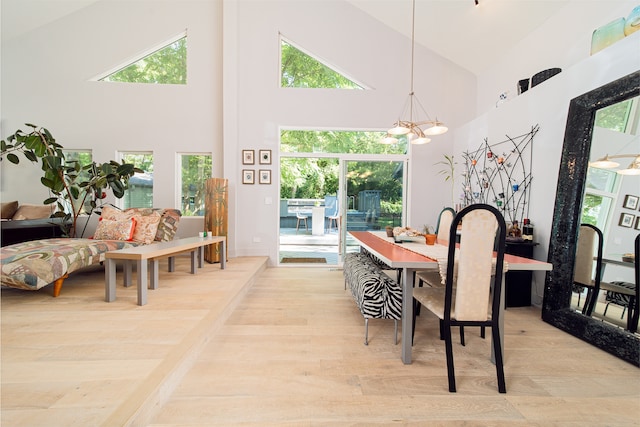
{"type": "Point", "coordinates": [468, 299]}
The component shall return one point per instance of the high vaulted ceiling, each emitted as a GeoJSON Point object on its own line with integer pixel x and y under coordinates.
{"type": "Point", "coordinates": [468, 35]}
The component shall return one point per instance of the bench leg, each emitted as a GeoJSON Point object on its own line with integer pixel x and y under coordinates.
{"type": "Point", "coordinates": [194, 262]}
{"type": "Point", "coordinates": [154, 280]}
{"type": "Point", "coordinates": [223, 254]}
{"type": "Point", "coordinates": [110, 280]}
{"type": "Point", "coordinates": [128, 272]}
{"type": "Point", "coordinates": [366, 331]}
{"type": "Point", "coordinates": [57, 285]}
{"type": "Point", "coordinates": [142, 282]}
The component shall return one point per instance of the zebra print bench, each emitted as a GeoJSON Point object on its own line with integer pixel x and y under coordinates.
{"type": "Point", "coordinates": [376, 294]}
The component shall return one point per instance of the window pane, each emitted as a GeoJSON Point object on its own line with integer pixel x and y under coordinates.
{"type": "Point", "coordinates": [303, 141]}
{"type": "Point", "coordinates": [84, 158]}
{"type": "Point", "coordinates": [165, 66]}
{"type": "Point", "coordinates": [140, 191]}
{"type": "Point", "coordinates": [302, 70]}
{"type": "Point", "coordinates": [195, 170]}
{"type": "Point", "coordinates": [614, 117]}
{"type": "Point", "coordinates": [595, 210]}
{"type": "Point", "coordinates": [601, 179]}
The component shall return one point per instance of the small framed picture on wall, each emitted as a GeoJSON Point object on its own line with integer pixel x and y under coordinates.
{"type": "Point", "coordinates": [637, 226]}
{"type": "Point", "coordinates": [626, 220]}
{"type": "Point", "coordinates": [248, 176]}
{"type": "Point", "coordinates": [265, 157]}
{"type": "Point", "coordinates": [248, 157]}
{"type": "Point", "coordinates": [264, 176]}
{"type": "Point", "coordinates": [630, 202]}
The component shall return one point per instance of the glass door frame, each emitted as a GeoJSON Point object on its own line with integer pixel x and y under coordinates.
{"type": "Point", "coordinates": [344, 160]}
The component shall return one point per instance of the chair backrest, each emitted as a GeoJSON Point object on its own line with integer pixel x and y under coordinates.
{"type": "Point", "coordinates": [589, 246]}
{"type": "Point", "coordinates": [473, 295]}
{"type": "Point", "coordinates": [444, 223]}
{"type": "Point", "coordinates": [331, 205]}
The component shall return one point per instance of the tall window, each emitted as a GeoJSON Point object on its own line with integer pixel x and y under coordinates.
{"type": "Point", "coordinates": [300, 69]}
{"type": "Point", "coordinates": [166, 65]}
{"type": "Point", "coordinates": [195, 169]}
{"type": "Point", "coordinates": [140, 191]}
{"type": "Point", "coordinates": [600, 192]}
{"type": "Point", "coordinates": [83, 158]}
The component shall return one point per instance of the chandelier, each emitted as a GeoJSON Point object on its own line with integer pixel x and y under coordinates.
{"type": "Point", "coordinates": [606, 163]}
{"type": "Point", "coordinates": [417, 131]}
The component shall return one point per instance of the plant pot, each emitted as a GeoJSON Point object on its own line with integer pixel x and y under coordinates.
{"type": "Point", "coordinates": [430, 239]}
{"type": "Point", "coordinates": [389, 231]}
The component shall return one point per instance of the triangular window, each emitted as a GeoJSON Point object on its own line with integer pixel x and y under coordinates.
{"type": "Point", "coordinates": [164, 65]}
{"type": "Point", "coordinates": [300, 69]}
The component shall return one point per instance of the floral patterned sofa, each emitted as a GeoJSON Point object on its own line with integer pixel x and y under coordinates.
{"type": "Point", "coordinates": [38, 263]}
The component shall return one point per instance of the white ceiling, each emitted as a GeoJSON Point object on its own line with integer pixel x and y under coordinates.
{"type": "Point", "coordinates": [471, 36]}
{"type": "Point", "coordinates": [468, 35]}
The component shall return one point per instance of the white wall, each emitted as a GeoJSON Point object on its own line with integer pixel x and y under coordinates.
{"type": "Point", "coordinates": [45, 81]}
{"type": "Point", "coordinates": [547, 105]}
{"type": "Point", "coordinates": [563, 41]}
{"type": "Point", "coordinates": [359, 46]}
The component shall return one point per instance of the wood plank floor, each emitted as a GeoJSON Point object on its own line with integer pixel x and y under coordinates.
{"type": "Point", "coordinates": [282, 346]}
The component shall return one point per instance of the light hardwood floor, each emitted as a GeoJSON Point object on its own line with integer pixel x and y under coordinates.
{"type": "Point", "coordinates": [251, 345]}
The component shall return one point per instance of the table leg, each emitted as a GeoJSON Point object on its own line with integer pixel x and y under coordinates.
{"type": "Point", "coordinates": [142, 282]}
{"type": "Point", "coordinates": [194, 262]}
{"type": "Point", "coordinates": [128, 269]}
{"type": "Point", "coordinates": [407, 313]}
{"type": "Point", "coordinates": [172, 264]}
{"type": "Point", "coordinates": [110, 280]}
{"type": "Point", "coordinates": [154, 279]}
{"type": "Point", "coordinates": [500, 324]}
{"type": "Point", "coordinates": [223, 254]}
{"type": "Point", "coordinates": [200, 256]}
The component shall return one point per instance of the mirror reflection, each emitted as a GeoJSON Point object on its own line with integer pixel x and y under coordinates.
{"type": "Point", "coordinates": [604, 273]}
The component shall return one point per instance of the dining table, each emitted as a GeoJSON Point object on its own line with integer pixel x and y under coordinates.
{"type": "Point", "coordinates": [410, 254]}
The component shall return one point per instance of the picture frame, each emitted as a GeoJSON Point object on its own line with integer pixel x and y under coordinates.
{"type": "Point", "coordinates": [264, 157]}
{"type": "Point", "coordinates": [626, 220]}
{"type": "Point", "coordinates": [248, 176]}
{"type": "Point", "coordinates": [637, 226]}
{"type": "Point", "coordinates": [248, 157]}
{"type": "Point", "coordinates": [630, 202]}
{"type": "Point", "coordinates": [264, 176]}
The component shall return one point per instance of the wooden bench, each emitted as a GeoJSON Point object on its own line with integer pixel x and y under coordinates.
{"type": "Point", "coordinates": [142, 254]}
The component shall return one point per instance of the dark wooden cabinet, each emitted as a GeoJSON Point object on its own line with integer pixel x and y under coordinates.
{"type": "Point", "coordinates": [518, 283]}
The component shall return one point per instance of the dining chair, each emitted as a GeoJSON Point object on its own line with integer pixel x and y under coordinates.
{"type": "Point", "coordinates": [467, 298]}
{"type": "Point", "coordinates": [301, 218]}
{"type": "Point", "coordinates": [588, 255]}
{"type": "Point", "coordinates": [431, 277]}
{"type": "Point", "coordinates": [627, 293]}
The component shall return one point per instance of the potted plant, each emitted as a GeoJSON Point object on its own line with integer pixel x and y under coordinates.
{"type": "Point", "coordinates": [429, 234]}
{"type": "Point", "coordinates": [70, 188]}
{"type": "Point", "coordinates": [448, 171]}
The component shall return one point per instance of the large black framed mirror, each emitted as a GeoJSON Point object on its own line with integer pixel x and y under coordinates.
{"type": "Point", "coordinates": [566, 220]}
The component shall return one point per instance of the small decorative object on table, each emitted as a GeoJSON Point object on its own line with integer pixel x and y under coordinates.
{"type": "Point", "coordinates": [429, 235]}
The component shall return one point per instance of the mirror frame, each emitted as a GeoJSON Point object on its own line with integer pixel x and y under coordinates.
{"type": "Point", "coordinates": [566, 222]}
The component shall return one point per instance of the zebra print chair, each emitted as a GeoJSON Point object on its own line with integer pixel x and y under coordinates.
{"type": "Point", "coordinates": [376, 294]}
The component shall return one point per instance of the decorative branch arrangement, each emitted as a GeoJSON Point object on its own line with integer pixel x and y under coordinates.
{"type": "Point", "coordinates": [500, 174]}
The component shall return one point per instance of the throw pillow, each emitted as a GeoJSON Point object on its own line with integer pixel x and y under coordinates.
{"type": "Point", "coordinates": [114, 214]}
{"type": "Point", "coordinates": [115, 230]}
{"type": "Point", "coordinates": [146, 227]}
{"type": "Point", "coordinates": [168, 225]}
{"type": "Point", "coordinates": [8, 209]}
